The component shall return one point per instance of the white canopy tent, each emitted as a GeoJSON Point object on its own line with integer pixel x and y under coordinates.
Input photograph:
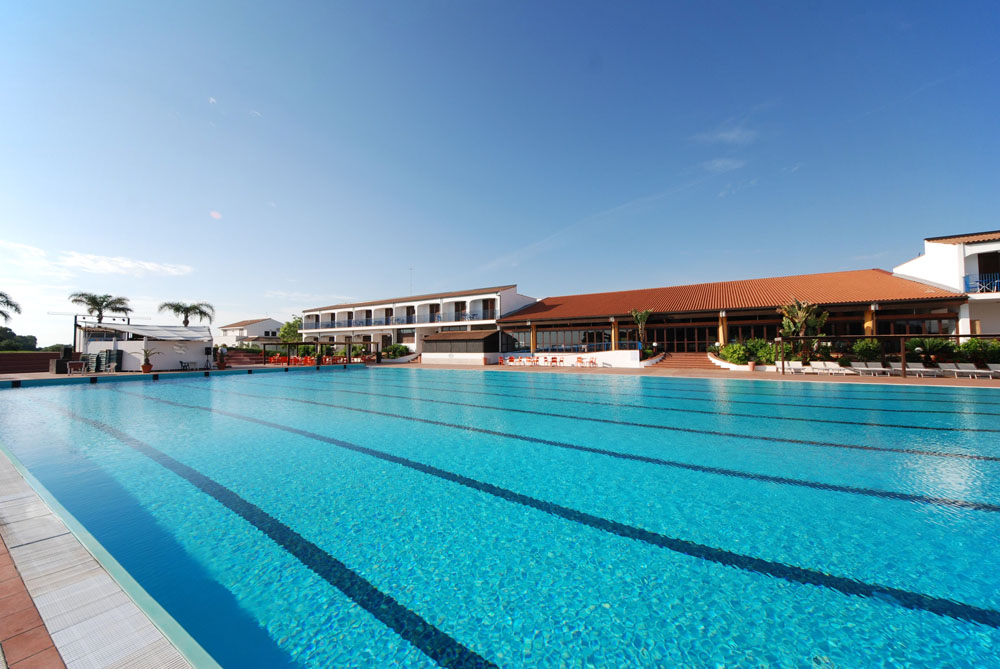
{"type": "Point", "coordinates": [161, 332]}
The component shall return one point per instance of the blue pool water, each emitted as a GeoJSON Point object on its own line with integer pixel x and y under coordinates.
{"type": "Point", "coordinates": [416, 517]}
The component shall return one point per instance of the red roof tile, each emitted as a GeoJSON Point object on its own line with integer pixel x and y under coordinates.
{"type": "Point", "coordinates": [859, 286]}
{"type": "Point", "coordinates": [970, 238]}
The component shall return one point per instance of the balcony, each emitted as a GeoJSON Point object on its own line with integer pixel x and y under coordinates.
{"type": "Point", "coordinates": [401, 320]}
{"type": "Point", "coordinates": [982, 283]}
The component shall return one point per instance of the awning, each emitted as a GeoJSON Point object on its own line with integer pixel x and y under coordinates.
{"type": "Point", "coordinates": [160, 332]}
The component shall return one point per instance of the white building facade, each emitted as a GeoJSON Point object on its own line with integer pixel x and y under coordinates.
{"type": "Point", "coordinates": [249, 332]}
{"type": "Point", "coordinates": [407, 320]}
{"type": "Point", "coordinates": [969, 264]}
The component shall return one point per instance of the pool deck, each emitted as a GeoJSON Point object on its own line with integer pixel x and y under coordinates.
{"type": "Point", "coordinates": [59, 606]}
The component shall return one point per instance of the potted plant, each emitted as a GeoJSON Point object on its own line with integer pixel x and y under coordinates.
{"type": "Point", "coordinates": [146, 365]}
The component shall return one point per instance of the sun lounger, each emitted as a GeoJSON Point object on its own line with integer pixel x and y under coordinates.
{"type": "Point", "coordinates": [948, 368]}
{"type": "Point", "coordinates": [919, 369]}
{"type": "Point", "coordinates": [994, 370]}
{"type": "Point", "coordinates": [969, 369]}
{"type": "Point", "coordinates": [819, 367]}
{"type": "Point", "coordinates": [862, 368]}
{"type": "Point", "coordinates": [877, 369]}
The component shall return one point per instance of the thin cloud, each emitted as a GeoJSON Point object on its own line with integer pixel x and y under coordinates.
{"type": "Point", "coordinates": [95, 264]}
{"type": "Point", "coordinates": [254, 112]}
{"type": "Point", "coordinates": [212, 101]}
{"type": "Point", "coordinates": [729, 133]}
{"type": "Point", "coordinates": [298, 296]}
{"type": "Point", "coordinates": [733, 189]}
{"type": "Point", "coordinates": [722, 165]}
{"type": "Point", "coordinates": [216, 215]}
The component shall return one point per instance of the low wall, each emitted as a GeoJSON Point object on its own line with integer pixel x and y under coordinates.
{"type": "Point", "coordinates": [459, 358]}
{"type": "Point", "coordinates": [19, 363]}
{"type": "Point", "coordinates": [627, 359]}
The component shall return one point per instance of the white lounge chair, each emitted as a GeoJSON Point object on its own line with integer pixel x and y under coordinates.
{"type": "Point", "coordinates": [948, 369]}
{"type": "Point", "coordinates": [919, 369]}
{"type": "Point", "coordinates": [819, 367]}
{"type": "Point", "coordinates": [969, 369]}
{"type": "Point", "coordinates": [994, 370]}
{"type": "Point", "coordinates": [877, 369]}
{"type": "Point", "coordinates": [862, 368]}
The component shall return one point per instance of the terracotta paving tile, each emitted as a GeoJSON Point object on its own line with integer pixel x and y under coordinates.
{"type": "Point", "coordinates": [6, 561]}
{"type": "Point", "coordinates": [20, 621]}
{"type": "Point", "coordinates": [8, 572]}
{"type": "Point", "coordinates": [10, 587]}
{"type": "Point", "coordinates": [16, 602]}
{"type": "Point", "coordinates": [26, 644]}
{"type": "Point", "coordinates": [47, 659]}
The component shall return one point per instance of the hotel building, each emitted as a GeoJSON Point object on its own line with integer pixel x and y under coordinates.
{"type": "Point", "coordinates": [407, 320]}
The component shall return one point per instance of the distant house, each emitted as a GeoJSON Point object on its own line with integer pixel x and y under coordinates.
{"type": "Point", "coordinates": [252, 332]}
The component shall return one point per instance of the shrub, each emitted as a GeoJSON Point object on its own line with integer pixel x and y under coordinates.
{"type": "Point", "coordinates": [867, 350]}
{"type": "Point", "coordinates": [395, 351]}
{"type": "Point", "coordinates": [735, 353]}
{"type": "Point", "coordinates": [760, 350]}
{"type": "Point", "coordinates": [972, 350]}
{"type": "Point", "coordinates": [993, 351]}
{"type": "Point", "coordinates": [928, 346]}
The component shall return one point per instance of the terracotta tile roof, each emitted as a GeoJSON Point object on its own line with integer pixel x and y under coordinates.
{"type": "Point", "coordinates": [414, 298]}
{"type": "Point", "coordinates": [969, 238]}
{"type": "Point", "coordinates": [458, 335]}
{"type": "Point", "coordinates": [858, 286]}
{"type": "Point", "coordinates": [243, 324]}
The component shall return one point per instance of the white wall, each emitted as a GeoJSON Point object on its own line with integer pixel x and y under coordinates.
{"type": "Point", "coordinates": [458, 358]}
{"type": "Point", "coordinates": [941, 265]}
{"type": "Point", "coordinates": [987, 312]}
{"type": "Point", "coordinates": [511, 300]}
{"type": "Point", "coordinates": [170, 357]}
{"type": "Point", "coordinates": [629, 359]}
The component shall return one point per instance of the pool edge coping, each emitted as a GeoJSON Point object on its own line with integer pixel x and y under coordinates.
{"type": "Point", "coordinates": [172, 631]}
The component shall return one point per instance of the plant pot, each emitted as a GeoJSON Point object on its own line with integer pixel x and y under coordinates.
{"type": "Point", "coordinates": [752, 365]}
{"type": "Point", "coordinates": [147, 368]}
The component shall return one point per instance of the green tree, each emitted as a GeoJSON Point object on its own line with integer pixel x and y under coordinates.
{"type": "Point", "coordinates": [640, 318]}
{"type": "Point", "coordinates": [8, 305]}
{"type": "Point", "coordinates": [184, 311]}
{"type": "Point", "coordinates": [98, 305]}
{"type": "Point", "coordinates": [290, 330]}
{"type": "Point", "coordinates": [802, 319]}
{"type": "Point", "coordinates": [10, 341]}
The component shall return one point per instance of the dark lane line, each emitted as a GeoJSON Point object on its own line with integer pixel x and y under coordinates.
{"type": "Point", "coordinates": [848, 586]}
{"type": "Point", "coordinates": [734, 473]}
{"type": "Point", "coordinates": [799, 419]}
{"type": "Point", "coordinates": [434, 643]}
{"type": "Point", "coordinates": [585, 381]}
{"type": "Point", "coordinates": [668, 428]}
{"type": "Point", "coordinates": [605, 393]}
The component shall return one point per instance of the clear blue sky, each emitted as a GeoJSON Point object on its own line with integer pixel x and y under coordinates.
{"type": "Point", "coordinates": [268, 158]}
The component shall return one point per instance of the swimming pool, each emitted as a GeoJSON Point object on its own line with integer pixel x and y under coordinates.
{"type": "Point", "coordinates": [468, 518]}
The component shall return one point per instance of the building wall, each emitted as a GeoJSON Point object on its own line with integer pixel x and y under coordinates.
{"type": "Point", "coordinates": [987, 312]}
{"type": "Point", "coordinates": [511, 300]}
{"type": "Point", "coordinates": [459, 358]}
{"type": "Point", "coordinates": [941, 265]}
{"type": "Point", "coordinates": [231, 337]}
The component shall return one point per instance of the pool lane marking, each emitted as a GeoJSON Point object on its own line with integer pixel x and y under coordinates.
{"type": "Point", "coordinates": [700, 386]}
{"type": "Point", "coordinates": [669, 428]}
{"type": "Point", "coordinates": [734, 473]}
{"type": "Point", "coordinates": [933, 428]}
{"type": "Point", "coordinates": [576, 389]}
{"type": "Point", "coordinates": [433, 642]}
{"type": "Point", "coordinates": [910, 600]}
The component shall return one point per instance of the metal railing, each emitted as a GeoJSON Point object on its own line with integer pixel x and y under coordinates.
{"type": "Point", "coordinates": [982, 283]}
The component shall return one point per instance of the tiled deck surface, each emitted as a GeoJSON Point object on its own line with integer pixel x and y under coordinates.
{"type": "Point", "coordinates": [57, 603]}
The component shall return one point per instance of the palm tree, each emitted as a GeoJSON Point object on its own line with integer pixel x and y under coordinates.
{"type": "Point", "coordinates": [202, 310]}
{"type": "Point", "coordinates": [799, 317]}
{"type": "Point", "coordinates": [640, 319]}
{"type": "Point", "coordinates": [98, 305]}
{"type": "Point", "coordinates": [7, 305]}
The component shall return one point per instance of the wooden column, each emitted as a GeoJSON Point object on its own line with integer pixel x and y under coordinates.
{"type": "Point", "coordinates": [723, 335]}
{"type": "Point", "coordinates": [614, 335]}
{"type": "Point", "coordinates": [534, 342]}
{"type": "Point", "coordinates": [869, 322]}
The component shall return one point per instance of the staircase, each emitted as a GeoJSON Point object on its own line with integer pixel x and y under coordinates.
{"type": "Point", "coordinates": [242, 358]}
{"type": "Point", "coordinates": [685, 361]}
